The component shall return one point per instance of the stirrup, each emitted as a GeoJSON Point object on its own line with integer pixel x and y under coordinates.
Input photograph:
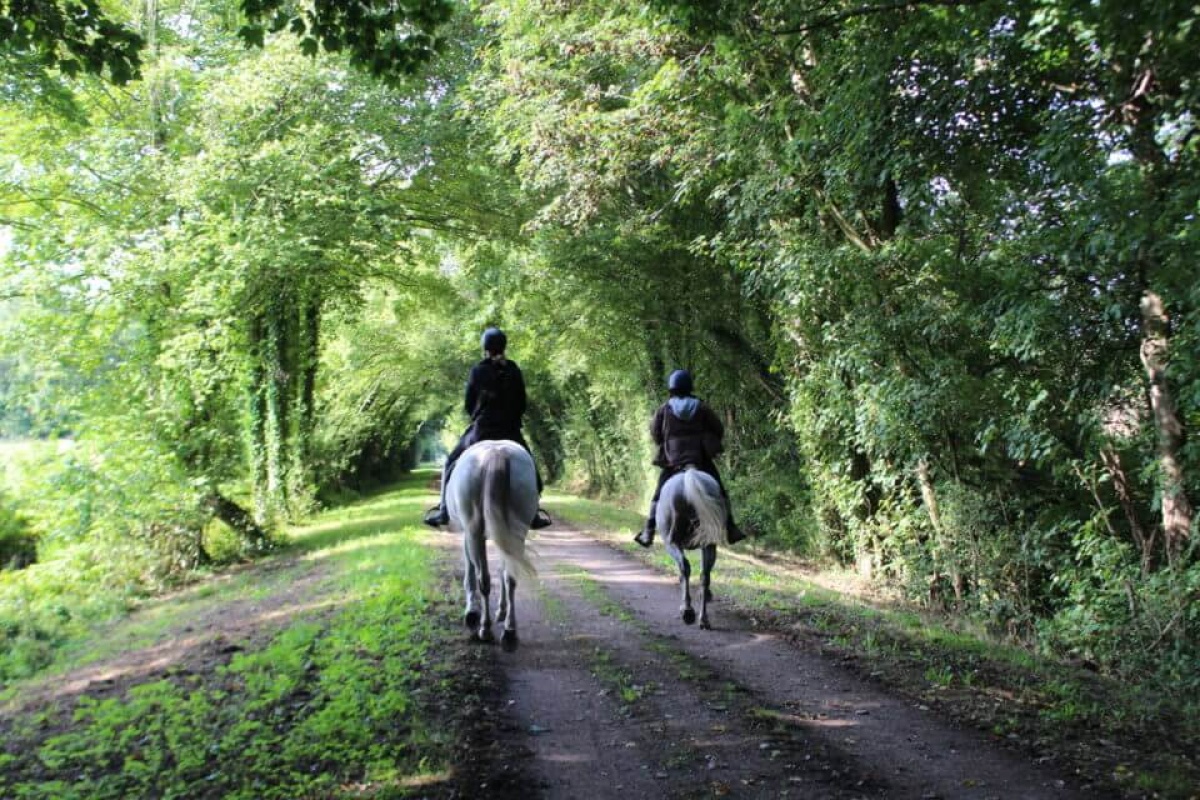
{"type": "Point", "coordinates": [436, 517]}
{"type": "Point", "coordinates": [541, 520]}
{"type": "Point", "coordinates": [644, 537]}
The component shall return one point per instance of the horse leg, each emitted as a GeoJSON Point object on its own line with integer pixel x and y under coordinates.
{"type": "Point", "coordinates": [686, 612]}
{"type": "Point", "coordinates": [485, 589]}
{"type": "Point", "coordinates": [505, 597]}
{"type": "Point", "coordinates": [708, 557]}
{"type": "Point", "coordinates": [470, 587]}
{"type": "Point", "coordinates": [508, 597]}
{"type": "Point", "coordinates": [478, 582]}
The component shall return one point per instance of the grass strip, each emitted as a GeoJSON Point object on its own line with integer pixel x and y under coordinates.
{"type": "Point", "coordinates": [343, 704]}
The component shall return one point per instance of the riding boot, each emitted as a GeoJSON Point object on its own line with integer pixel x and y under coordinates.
{"type": "Point", "coordinates": [541, 520]}
{"type": "Point", "coordinates": [645, 537]}
{"type": "Point", "coordinates": [732, 532]}
{"type": "Point", "coordinates": [438, 515]}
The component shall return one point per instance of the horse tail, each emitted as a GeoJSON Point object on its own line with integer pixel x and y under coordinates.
{"type": "Point", "coordinates": [705, 497]}
{"type": "Point", "coordinates": [504, 528]}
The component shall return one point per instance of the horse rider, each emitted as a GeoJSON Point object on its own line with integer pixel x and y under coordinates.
{"type": "Point", "coordinates": [688, 434]}
{"type": "Point", "coordinates": [495, 402]}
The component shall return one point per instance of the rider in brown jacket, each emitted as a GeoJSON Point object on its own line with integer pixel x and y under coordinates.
{"type": "Point", "coordinates": [688, 433]}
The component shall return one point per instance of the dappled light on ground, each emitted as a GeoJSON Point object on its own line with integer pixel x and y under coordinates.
{"type": "Point", "coordinates": [427, 781]}
{"type": "Point", "coordinates": [571, 758]}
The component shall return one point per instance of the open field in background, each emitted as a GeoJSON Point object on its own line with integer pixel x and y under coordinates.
{"type": "Point", "coordinates": [17, 456]}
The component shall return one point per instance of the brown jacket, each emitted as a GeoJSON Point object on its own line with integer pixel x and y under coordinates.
{"type": "Point", "coordinates": [687, 432]}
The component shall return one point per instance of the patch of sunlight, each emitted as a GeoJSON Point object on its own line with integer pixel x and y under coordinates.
{"type": "Point", "coordinates": [393, 511]}
{"type": "Point", "coordinates": [332, 523]}
{"type": "Point", "coordinates": [428, 779]}
{"type": "Point", "coordinates": [570, 758]}
{"type": "Point", "coordinates": [379, 539]}
{"type": "Point", "coordinates": [811, 721]}
{"type": "Point", "coordinates": [159, 656]}
{"type": "Point", "coordinates": [590, 513]}
{"type": "Point", "coordinates": [380, 780]}
{"type": "Point", "coordinates": [151, 623]}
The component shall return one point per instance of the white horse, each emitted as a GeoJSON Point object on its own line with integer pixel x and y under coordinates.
{"type": "Point", "coordinates": [691, 515]}
{"type": "Point", "coordinates": [493, 494]}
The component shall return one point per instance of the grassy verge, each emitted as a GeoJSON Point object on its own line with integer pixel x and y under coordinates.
{"type": "Point", "coordinates": [356, 698]}
{"type": "Point", "coordinates": [1117, 734]}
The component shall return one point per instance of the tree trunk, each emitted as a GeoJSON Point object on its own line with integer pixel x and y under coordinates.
{"type": "Point", "coordinates": [943, 555]}
{"type": "Point", "coordinates": [1176, 509]}
{"type": "Point", "coordinates": [1120, 482]}
{"type": "Point", "coordinates": [277, 396]}
{"type": "Point", "coordinates": [154, 88]}
{"type": "Point", "coordinates": [257, 434]}
{"type": "Point", "coordinates": [304, 388]}
{"type": "Point", "coordinates": [311, 355]}
{"type": "Point", "coordinates": [239, 519]}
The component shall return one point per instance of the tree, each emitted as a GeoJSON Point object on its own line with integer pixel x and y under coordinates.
{"type": "Point", "coordinates": [389, 39]}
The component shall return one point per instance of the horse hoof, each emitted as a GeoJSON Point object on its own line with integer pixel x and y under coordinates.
{"type": "Point", "coordinates": [705, 625]}
{"type": "Point", "coordinates": [471, 619]}
{"type": "Point", "coordinates": [485, 635]}
{"type": "Point", "coordinates": [689, 616]}
{"type": "Point", "coordinates": [508, 641]}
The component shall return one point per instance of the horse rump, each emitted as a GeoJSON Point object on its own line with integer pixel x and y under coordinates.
{"type": "Point", "coordinates": [691, 510]}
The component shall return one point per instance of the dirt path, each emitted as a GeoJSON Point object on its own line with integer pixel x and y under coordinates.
{"type": "Point", "coordinates": [611, 696]}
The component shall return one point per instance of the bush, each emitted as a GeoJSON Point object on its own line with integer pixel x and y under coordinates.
{"type": "Point", "coordinates": [1135, 625]}
{"type": "Point", "coordinates": [18, 545]}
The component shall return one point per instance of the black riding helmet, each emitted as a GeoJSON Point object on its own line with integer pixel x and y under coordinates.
{"type": "Point", "coordinates": [680, 383]}
{"type": "Point", "coordinates": [494, 340]}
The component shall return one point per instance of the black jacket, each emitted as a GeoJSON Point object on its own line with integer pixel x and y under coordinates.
{"type": "Point", "coordinates": [495, 399]}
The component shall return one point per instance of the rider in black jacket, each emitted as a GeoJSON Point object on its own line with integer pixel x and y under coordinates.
{"type": "Point", "coordinates": [495, 402]}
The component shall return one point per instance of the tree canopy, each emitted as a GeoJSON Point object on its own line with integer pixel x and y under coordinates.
{"type": "Point", "coordinates": [389, 39]}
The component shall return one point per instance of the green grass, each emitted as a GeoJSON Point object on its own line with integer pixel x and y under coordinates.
{"type": "Point", "coordinates": [593, 514]}
{"type": "Point", "coordinates": [338, 703]}
{"type": "Point", "coordinates": [156, 619]}
{"type": "Point", "coordinates": [74, 609]}
{"type": "Point", "coordinates": [758, 587]}
{"type": "Point", "coordinates": [591, 591]}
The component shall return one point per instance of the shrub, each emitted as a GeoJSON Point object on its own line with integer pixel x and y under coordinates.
{"type": "Point", "coordinates": [18, 545]}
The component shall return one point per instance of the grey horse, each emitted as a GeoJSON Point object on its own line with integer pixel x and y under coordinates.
{"type": "Point", "coordinates": [493, 494]}
{"type": "Point", "coordinates": [691, 516]}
